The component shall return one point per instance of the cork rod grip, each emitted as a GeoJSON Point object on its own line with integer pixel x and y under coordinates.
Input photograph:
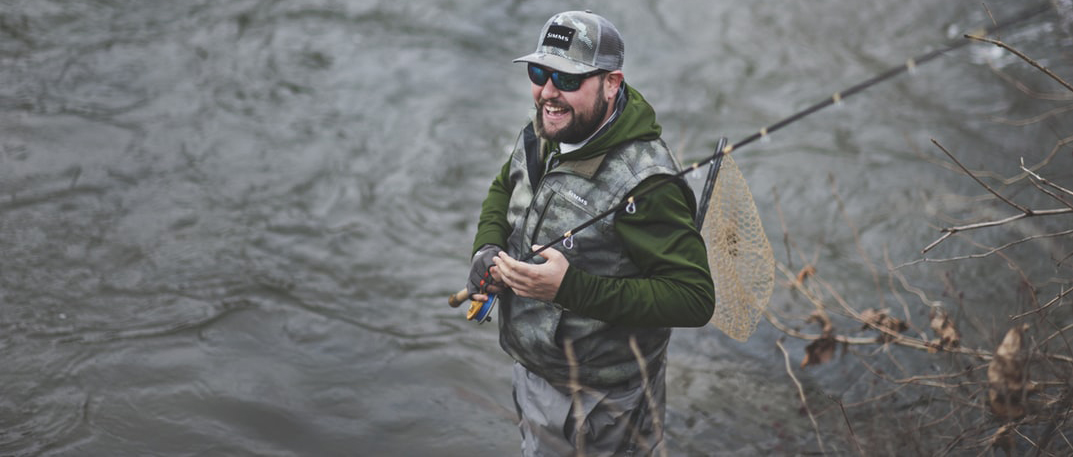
{"type": "Point", "coordinates": [457, 298]}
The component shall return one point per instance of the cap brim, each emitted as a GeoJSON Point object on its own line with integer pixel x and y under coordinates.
{"type": "Point", "coordinates": [555, 62]}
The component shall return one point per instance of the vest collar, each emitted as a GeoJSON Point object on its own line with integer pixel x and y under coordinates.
{"type": "Point", "coordinates": [585, 168]}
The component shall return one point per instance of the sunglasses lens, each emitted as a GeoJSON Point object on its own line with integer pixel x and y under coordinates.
{"type": "Point", "coordinates": [538, 75]}
{"type": "Point", "coordinates": [566, 82]}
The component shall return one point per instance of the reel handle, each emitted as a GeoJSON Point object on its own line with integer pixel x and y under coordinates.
{"type": "Point", "coordinates": [478, 311]}
{"type": "Point", "coordinates": [457, 298]}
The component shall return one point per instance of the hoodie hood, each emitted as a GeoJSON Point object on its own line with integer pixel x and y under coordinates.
{"type": "Point", "coordinates": [636, 121]}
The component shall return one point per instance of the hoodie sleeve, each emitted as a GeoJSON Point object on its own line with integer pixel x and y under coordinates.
{"type": "Point", "coordinates": [492, 227]}
{"type": "Point", "coordinates": [675, 288]}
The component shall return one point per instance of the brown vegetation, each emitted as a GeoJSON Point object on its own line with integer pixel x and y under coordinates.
{"type": "Point", "coordinates": [976, 396]}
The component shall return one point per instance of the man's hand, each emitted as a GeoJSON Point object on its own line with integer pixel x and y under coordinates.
{"type": "Point", "coordinates": [533, 281]}
{"type": "Point", "coordinates": [482, 274]}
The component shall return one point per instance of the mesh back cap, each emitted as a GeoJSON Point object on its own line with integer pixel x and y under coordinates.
{"type": "Point", "coordinates": [578, 42]}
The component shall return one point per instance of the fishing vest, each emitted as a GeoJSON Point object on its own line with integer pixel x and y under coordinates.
{"type": "Point", "coordinates": [535, 332]}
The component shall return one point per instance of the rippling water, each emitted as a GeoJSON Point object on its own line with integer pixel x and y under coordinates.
{"type": "Point", "coordinates": [228, 228]}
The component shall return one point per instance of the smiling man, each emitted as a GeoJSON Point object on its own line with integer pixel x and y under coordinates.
{"type": "Point", "coordinates": [589, 321]}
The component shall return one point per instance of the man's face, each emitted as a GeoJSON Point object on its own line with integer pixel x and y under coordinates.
{"type": "Point", "coordinates": [570, 117]}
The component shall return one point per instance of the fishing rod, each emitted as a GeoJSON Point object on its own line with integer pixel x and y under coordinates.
{"type": "Point", "coordinates": [629, 204]}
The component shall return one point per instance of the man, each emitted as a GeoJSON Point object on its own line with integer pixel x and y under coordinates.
{"type": "Point", "coordinates": [588, 323]}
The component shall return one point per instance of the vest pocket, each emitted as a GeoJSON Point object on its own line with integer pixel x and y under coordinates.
{"type": "Point", "coordinates": [565, 211]}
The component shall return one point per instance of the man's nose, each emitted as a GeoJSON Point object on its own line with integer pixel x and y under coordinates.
{"type": "Point", "coordinates": [549, 90]}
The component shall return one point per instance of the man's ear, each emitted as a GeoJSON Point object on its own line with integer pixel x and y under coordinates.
{"type": "Point", "coordinates": [612, 82]}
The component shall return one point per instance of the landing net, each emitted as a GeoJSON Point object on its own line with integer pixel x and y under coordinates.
{"type": "Point", "coordinates": [740, 257]}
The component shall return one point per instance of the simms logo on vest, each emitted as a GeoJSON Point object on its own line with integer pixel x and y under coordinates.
{"type": "Point", "coordinates": [578, 198]}
{"type": "Point", "coordinates": [559, 37]}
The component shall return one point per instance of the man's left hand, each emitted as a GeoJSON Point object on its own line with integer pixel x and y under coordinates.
{"type": "Point", "coordinates": [533, 281]}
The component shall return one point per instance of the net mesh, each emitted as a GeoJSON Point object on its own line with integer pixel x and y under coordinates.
{"type": "Point", "coordinates": [743, 267]}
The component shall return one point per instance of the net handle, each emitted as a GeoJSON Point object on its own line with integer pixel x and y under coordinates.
{"type": "Point", "coordinates": [709, 184]}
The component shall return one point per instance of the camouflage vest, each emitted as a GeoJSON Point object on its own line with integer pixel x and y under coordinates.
{"type": "Point", "coordinates": [533, 332]}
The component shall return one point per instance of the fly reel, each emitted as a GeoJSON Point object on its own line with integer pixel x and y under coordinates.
{"type": "Point", "coordinates": [481, 311]}
{"type": "Point", "coordinates": [478, 311]}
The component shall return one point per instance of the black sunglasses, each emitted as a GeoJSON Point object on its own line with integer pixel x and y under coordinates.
{"type": "Point", "coordinates": [566, 82]}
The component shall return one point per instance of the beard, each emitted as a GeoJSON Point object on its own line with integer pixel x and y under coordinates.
{"type": "Point", "coordinates": [582, 124]}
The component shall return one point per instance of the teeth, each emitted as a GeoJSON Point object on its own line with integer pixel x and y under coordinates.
{"type": "Point", "coordinates": [554, 109]}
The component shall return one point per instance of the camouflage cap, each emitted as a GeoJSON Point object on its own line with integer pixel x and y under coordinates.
{"type": "Point", "coordinates": [578, 42]}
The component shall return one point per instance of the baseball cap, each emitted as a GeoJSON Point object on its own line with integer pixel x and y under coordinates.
{"type": "Point", "coordinates": [578, 42]}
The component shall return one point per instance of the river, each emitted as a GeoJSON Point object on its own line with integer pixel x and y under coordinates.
{"type": "Point", "coordinates": [229, 228]}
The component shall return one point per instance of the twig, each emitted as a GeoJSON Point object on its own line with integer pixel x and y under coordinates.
{"type": "Point", "coordinates": [891, 335]}
{"type": "Point", "coordinates": [1056, 96]}
{"type": "Point", "coordinates": [1048, 305]}
{"type": "Point", "coordinates": [1062, 142]}
{"type": "Point", "coordinates": [989, 252]}
{"type": "Point", "coordinates": [936, 242]}
{"type": "Point", "coordinates": [775, 322]}
{"type": "Point", "coordinates": [657, 422]}
{"type": "Point", "coordinates": [782, 223]}
{"type": "Point", "coordinates": [1050, 193]}
{"type": "Point", "coordinates": [908, 315]}
{"type": "Point", "coordinates": [575, 394]}
{"type": "Point", "coordinates": [1034, 119]}
{"type": "Point", "coordinates": [924, 380]}
{"type": "Point", "coordinates": [951, 230]}
{"type": "Point", "coordinates": [1041, 212]}
{"type": "Point", "coordinates": [897, 338]}
{"type": "Point", "coordinates": [1023, 57]}
{"type": "Point", "coordinates": [978, 180]}
{"type": "Point", "coordinates": [856, 236]}
{"type": "Point", "coordinates": [850, 426]}
{"type": "Point", "coordinates": [801, 392]}
{"type": "Point", "coordinates": [1044, 180]}
{"type": "Point", "coordinates": [1063, 259]}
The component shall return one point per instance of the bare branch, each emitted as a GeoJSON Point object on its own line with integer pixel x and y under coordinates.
{"type": "Point", "coordinates": [782, 223]}
{"type": "Point", "coordinates": [896, 338]}
{"type": "Point", "coordinates": [1056, 334]}
{"type": "Point", "coordinates": [1039, 186]}
{"type": "Point", "coordinates": [951, 230]}
{"type": "Point", "coordinates": [1056, 96]}
{"type": "Point", "coordinates": [979, 181]}
{"type": "Point", "coordinates": [1044, 180]}
{"type": "Point", "coordinates": [801, 392]}
{"type": "Point", "coordinates": [850, 426]}
{"type": "Point", "coordinates": [990, 252]}
{"type": "Point", "coordinates": [575, 394]}
{"type": "Point", "coordinates": [657, 422]}
{"type": "Point", "coordinates": [942, 238]}
{"type": "Point", "coordinates": [1048, 305]}
{"type": "Point", "coordinates": [856, 234]}
{"type": "Point", "coordinates": [1025, 58]}
{"type": "Point", "coordinates": [1034, 119]}
{"type": "Point", "coordinates": [1067, 257]}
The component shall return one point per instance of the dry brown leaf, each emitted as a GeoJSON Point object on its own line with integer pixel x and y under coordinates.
{"type": "Point", "coordinates": [1003, 439]}
{"type": "Point", "coordinates": [819, 351]}
{"type": "Point", "coordinates": [1007, 377]}
{"type": "Point", "coordinates": [823, 349]}
{"type": "Point", "coordinates": [809, 270]}
{"type": "Point", "coordinates": [823, 319]}
{"type": "Point", "coordinates": [947, 333]}
{"type": "Point", "coordinates": [882, 319]}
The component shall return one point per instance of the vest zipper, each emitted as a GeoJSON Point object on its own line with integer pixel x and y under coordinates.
{"type": "Point", "coordinates": [550, 163]}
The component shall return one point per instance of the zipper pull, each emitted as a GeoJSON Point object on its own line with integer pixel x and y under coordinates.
{"type": "Point", "coordinates": [551, 162]}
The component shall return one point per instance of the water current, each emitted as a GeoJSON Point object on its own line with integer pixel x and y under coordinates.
{"type": "Point", "coordinates": [229, 228]}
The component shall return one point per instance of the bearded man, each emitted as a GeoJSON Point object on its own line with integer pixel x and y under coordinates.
{"type": "Point", "coordinates": [588, 323]}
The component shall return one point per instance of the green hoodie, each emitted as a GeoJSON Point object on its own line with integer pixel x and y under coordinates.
{"type": "Point", "coordinates": [675, 288]}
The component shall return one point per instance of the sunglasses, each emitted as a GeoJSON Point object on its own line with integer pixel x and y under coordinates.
{"type": "Point", "coordinates": [566, 82]}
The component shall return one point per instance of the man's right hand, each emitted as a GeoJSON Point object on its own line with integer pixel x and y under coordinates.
{"type": "Point", "coordinates": [480, 272]}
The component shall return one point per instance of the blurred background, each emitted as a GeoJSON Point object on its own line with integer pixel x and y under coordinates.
{"type": "Point", "coordinates": [230, 228]}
